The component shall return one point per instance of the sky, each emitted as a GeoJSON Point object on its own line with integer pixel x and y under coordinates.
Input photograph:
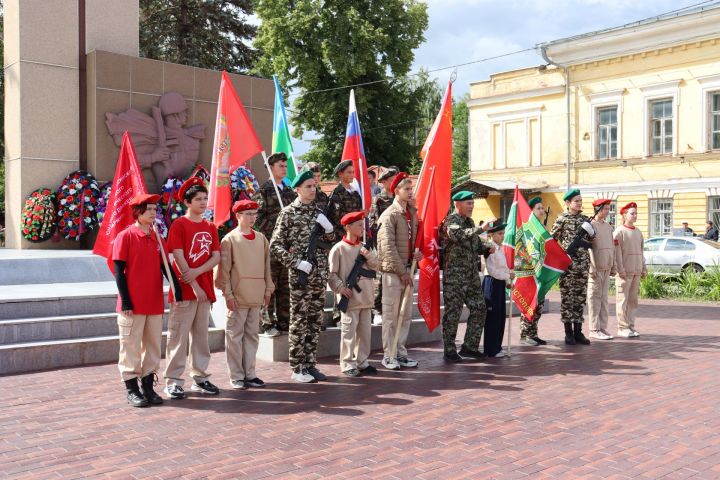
{"type": "Point", "coordinates": [461, 31]}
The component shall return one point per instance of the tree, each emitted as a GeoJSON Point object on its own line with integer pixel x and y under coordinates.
{"type": "Point", "coordinates": [319, 47]}
{"type": "Point", "coordinates": [202, 33]}
{"type": "Point", "coordinates": [461, 153]}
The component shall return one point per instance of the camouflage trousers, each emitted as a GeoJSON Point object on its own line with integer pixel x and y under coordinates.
{"type": "Point", "coordinates": [573, 293]}
{"type": "Point", "coordinates": [277, 314]}
{"type": "Point", "coordinates": [529, 328]}
{"type": "Point", "coordinates": [455, 295]}
{"type": "Point", "coordinates": [306, 312]}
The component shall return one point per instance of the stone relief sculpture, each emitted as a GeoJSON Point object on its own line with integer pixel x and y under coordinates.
{"type": "Point", "coordinates": [162, 142]}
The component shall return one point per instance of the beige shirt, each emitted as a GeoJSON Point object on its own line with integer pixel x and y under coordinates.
{"type": "Point", "coordinates": [244, 270]}
{"type": "Point", "coordinates": [629, 257]}
{"type": "Point", "coordinates": [602, 253]}
{"type": "Point", "coordinates": [496, 264]}
{"type": "Point", "coordinates": [342, 259]}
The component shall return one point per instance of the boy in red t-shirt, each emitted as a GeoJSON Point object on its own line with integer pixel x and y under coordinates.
{"type": "Point", "coordinates": [194, 244]}
{"type": "Point", "coordinates": [136, 258]}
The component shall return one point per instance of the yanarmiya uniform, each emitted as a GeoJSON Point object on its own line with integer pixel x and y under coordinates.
{"type": "Point", "coordinates": [380, 203]}
{"type": "Point", "coordinates": [345, 200]}
{"type": "Point", "coordinates": [630, 263]}
{"type": "Point", "coordinates": [602, 263]}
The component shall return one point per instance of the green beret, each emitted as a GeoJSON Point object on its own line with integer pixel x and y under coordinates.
{"type": "Point", "coordinates": [570, 194]}
{"type": "Point", "coordinates": [342, 166]}
{"type": "Point", "coordinates": [462, 195]}
{"type": "Point", "coordinates": [534, 201]}
{"type": "Point", "coordinates": [301, 177]}
{"type": "Point", "coordinates": [496, 227]}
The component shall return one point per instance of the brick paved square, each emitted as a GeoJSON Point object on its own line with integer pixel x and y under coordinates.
{"type": "Point", "coordinates": [627, 408]}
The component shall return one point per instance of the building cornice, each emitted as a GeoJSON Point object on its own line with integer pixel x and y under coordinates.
{"type": "Point", "coordinates": [523, 95]}
{"type": "Point", "coordinates": [664, 33]}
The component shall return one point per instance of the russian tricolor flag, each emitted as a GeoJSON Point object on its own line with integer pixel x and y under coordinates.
{"type": "Point", "coordinates": [353, 150]}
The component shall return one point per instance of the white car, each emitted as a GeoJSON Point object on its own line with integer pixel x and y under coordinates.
{"type": "Point", "coordinates": [673, 255]}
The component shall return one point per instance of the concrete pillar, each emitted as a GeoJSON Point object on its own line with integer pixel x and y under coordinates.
{"type": "Point", "coordinates": [42, 91]}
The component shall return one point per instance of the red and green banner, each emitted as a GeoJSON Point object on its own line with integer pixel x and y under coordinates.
{"type": "Point", "coordinates": [537, 259]}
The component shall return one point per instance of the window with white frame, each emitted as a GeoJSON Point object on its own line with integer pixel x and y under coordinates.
{"type": "Point", "coordinates": [714, 210]}
{"type": "Point", "coordinates": [607, 132]}
{"type": "Point", "coordinates": [661, 216]}
{"type": "Point", "coordinates": [612, 216]}
{"type": "Point", "coordinates": [714, 120]}
{"type": "Point", "coordinates": [661, 127]}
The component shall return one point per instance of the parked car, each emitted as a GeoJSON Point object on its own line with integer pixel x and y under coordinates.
{"type": "Point", "coordinates": [673, 255]}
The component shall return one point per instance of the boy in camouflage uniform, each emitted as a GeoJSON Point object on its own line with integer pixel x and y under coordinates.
{"type": "Point", "coordinates": [278, 311]}
{"type": "Point", "coordinates": [461, 278]}
{"type": "Point", "coordinates": [289, 244]}
{"type": "Point", "coordinates": [379, 204]}
{"type": "Point", "coordinates": [573, 282]}
{"type": "Point", "coordinates": [529, 327]}
{"type": "Point", "coordinates": [321, 198]}
{"type": "Point", "coordinates": [345, 198]}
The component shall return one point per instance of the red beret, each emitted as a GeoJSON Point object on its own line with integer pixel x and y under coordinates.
{"type": "Point", "coordinates": [192, 181]}
{"type": "Point", "coordinates": [351, 217]}
{"type": "Point", "coordinates": [242, 205]}
{"type": "Point", "coordinates": [628, 207]}
{"type": "Point", "coordinates": [396, 181]}
{"type": "Point", "coordinates": [601, 201]}
{"type": "Point", "coordinates": [144, 198]}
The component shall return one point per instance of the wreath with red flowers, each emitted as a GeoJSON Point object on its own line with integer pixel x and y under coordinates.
{"type": "Point", "coordinates": [77, 201]}
{"type": "Point", "coordinates": [38, 215]}
{"type": "Point", "coordinates": [103, 199]}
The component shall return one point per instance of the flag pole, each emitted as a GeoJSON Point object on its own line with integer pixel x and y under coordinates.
{"type": "Point", "coordinates": [509, 334]}
{"type": "Point", "coordinates": [277, 191]}
{"type": "Point", "coordinates": [403, 299]}
{"type": "Point", "coordinates": [165, 261]}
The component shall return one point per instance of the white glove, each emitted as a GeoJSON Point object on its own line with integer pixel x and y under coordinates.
{"type": "Point", "coordinates": [588, 228]}
{"type": "Point", "coordinates": [304, 266]}
{"type": "Point", "coordinates": [325, 223]}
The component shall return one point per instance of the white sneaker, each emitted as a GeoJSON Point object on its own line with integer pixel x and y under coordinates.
{"type": "Point", "coordinates": [528, 341]}
{"type": "Point", "coordinates": [500, 354]}
{"type": "Point", "coordinates": [600, 335]}
{"type": "Point", "coordinates": [377, 319]}
{"type": "Point", "coordinates": [610, 337]}
{"type": "Point", "coordinates": [624, 332]}
{"type": "Point", "coordinates": [302, 376]}
{"type": "Point", "coordinates": [390, 364]}
{"type": "Point", "coordinates": [634, 333]}
{"type": "Point", "coordinates": [407, 362]}
{"type": "Point", "coordinates": [273, 332]}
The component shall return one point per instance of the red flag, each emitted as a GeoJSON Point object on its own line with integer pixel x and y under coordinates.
{"type": "Point", "coordinates": [433, 199]}
{"type": "Point", "coordinates": [354, 150]}
{"type": "Point", "coordinates": [127, 183]}
{"type": "Point", "coordinates": [235, 143]}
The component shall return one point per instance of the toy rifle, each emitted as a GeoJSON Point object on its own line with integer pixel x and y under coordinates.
{"type": "Point", "coordinates": [354, 277]}
{"type": "Point", "coordinates": [315, 242]}
{"type": "Point", "coordinates": [547, 215]}
{"type": "Point", "coordinates": [582, 237]}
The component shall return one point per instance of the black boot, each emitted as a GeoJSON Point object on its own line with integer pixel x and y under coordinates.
{"type": "Point", "coordinates": [579, 337]}
{"type": "Point", "coordinates": [569, 336]}
{"type": "Point", "coordinates": [134, 397]}
{"type": "Point", "coordinates": [148, 392]}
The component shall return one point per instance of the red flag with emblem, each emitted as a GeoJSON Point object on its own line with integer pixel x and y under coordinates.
{"type": "Point", "coordinates": [235, 143]}
{"type": "Point", "coordinates": [433, 199]}
{"type": "Point", "coordinates": [127, 183]}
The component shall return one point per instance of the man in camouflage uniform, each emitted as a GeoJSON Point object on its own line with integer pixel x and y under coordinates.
{"type": "Point", "coordinates": [573, 282]}
{"type": "Point", "coordinates": [277, 315]}
{"type": "Point", "coordinates": [289, 245]}
{"type": "Point", "coordinates": [345, 198]}
{"type": "Point", "coordinates": [529, 327]}
{"type": "Point", "coordinates": [380, 203]}
{"type": "Point", "coordinates": [321, 198]}
{"type": "Point", "coordinates": [461, 278]}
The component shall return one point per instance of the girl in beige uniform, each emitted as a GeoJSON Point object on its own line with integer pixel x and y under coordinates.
{"type": "Point", "coordinates": [630, 266]}
{"type": "Point", "coordinates": [602, 267]}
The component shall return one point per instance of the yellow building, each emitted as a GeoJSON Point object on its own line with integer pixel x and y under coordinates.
{"type": "Point", "coordinates": [630, 114]}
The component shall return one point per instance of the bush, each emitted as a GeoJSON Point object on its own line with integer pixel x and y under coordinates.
{"type": "Point", "coordinates": [652, 286]}
{"type": "Point", "coordinates": [690, 285]}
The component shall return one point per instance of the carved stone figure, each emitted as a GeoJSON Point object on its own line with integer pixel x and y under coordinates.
{"type": "Point", "coordinates": [162, 142]}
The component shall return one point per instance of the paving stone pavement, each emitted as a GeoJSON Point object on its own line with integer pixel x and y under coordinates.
{"type": "Point", "coordinates": [628, 408]}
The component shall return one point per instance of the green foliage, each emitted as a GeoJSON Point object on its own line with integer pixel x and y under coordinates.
{"type": "Point", "coordinates": [203, 33]}
{"type": "Point", "coordinates": [690, 285]}
{"type": "Point", "coordinates": [652, 286]}
{"type": "Point", "coordinates": [319, 45]}
{"type": "Point", "coordinates": [461, 152]}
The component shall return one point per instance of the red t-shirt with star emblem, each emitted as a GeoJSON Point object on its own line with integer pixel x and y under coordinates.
{"type": "Point", "coordinates": [198, 241]}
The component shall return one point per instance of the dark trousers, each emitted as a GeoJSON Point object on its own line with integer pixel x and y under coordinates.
{"type": "Point", "coordinates": [494, 291]}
